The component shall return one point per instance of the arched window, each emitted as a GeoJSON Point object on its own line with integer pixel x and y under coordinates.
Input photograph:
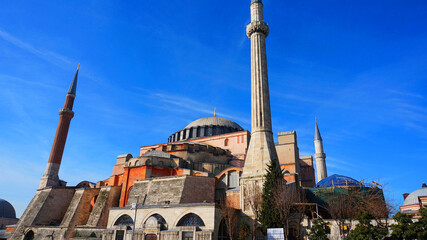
{"type": "Point", "coordinates": [226, 142]}
{"type": "Point", "coordinates": [124, 220]}
{"type": "Point", "coordinates": [136, 163]}
{"type": "Point", "coordinates": [191, 219]}
{"type": "Point", "coordinates": [154, 221]}
{"type": "Point", "coordinates": [29, 235]}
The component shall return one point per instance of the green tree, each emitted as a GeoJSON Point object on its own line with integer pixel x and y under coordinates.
{"type": "Point", "coordinates": [319, 230]}
{"type": "Point", "coordinates": [404, 229]}
{"type": "Point", "coordinates": [365, 230]}
{"type": "Point", "coordinates": [421, 225]}
{"type": "Point", "coordinates": [269, 216]}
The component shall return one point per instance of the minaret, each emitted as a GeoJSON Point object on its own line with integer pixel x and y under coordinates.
{"type": "Point", "coordinates": [261, 146]}
{"type": "Point", "coordinates": [50, 177]}
{"type": "Point", "coordinates": [320, 156]}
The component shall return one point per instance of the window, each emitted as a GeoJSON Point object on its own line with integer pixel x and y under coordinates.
{"type": "Point", "coordinates": [191, 219]}
{"type": "Point", "coordinates": [124, 220]}
{"type": "Point", "coordinates": [233, 179]}
{"type": "Point", "coordinates": [120, 234]}
{"type": "Point", "coordinates": [154, 221]}
{"type": "Point", "coordinates": [345, 229]}
{"type": "Point", "coordinates": [187, 235]}
{"type": "Point", "coordinates": [226, 142]}
{"type": "Point", "coordinates": [328, 229]}
{"type": "Point", "coordinates": [136, 163]}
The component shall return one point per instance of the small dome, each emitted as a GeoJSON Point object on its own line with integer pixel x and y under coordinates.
{"type": "Point", "coordinates": [413, 197]}
{"type": "Point", "coordinates": [6, 209]}
{"type": "Point", "coordinates": [337, 180]}
{"type": "Point", "coordinates": [214, 121]}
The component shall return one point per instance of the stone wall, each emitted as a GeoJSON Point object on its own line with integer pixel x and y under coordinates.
{"type": "Point", "coordinates": [173, 190]}
{"type": "Point", "coordinates": [48, 206]}
{"type": "Point", "coordinates": [108, 197]}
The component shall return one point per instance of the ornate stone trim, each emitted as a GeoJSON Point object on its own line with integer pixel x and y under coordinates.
{"type": "Point", "coordinates": [66, 112]}
{"type": "Point", "coordinates": [257, 26]}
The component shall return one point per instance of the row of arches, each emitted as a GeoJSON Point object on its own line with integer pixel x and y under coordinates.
{"type": "Point", "coordinates": [156, 220]}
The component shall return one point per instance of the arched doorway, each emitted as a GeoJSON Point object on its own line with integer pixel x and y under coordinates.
{"type": "Point", "coordinates": [151, 237]}
{"type": "Point", "coordinates": [29, 235]}
{"type": "Point", "coordinates": [222, 231]}
{"type": "Point", "coordinates": [190, 220]}
{"type": "Point", "coordinates": [123, 224]}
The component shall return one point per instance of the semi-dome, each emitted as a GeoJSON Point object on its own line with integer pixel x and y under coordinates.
{"type": "Point", "coordinates": [337, 180]}
{"type": "Point", "coordinates": [413, 197]}
{"type": "Point", "coordinates": [6, 209]}
{"type": "Point", "coordinates": [205, 127]}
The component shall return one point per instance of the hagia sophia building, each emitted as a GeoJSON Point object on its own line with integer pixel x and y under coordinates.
{"type": "Point", "coordinates": [172, 190]}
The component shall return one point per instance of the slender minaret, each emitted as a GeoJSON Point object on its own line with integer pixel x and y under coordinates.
{"type": "Point", "coordinates": [50, 177]}
{"type": "Point", "coordinates": [320, 156]}
{"type": "Point", "coordinates": [261, 146]}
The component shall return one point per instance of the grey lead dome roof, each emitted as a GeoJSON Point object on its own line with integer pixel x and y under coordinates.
{"type": "Point", "coordinates": [214, 121]}
{"type": "Point", "coordinates": [413, 197]}
{"type": "Point", "coordinates": [6, 209]}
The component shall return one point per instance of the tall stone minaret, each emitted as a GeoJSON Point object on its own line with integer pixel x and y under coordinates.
{"type": "Point", "coordinates": [320, 156]}
{"type": "Point", "coordinates": [261, 146]}
{"type": "Point", "coordinates": [50, 177]}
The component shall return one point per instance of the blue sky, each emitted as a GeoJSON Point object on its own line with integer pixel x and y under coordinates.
{"type": "Point", "coordinates": [148, 68]}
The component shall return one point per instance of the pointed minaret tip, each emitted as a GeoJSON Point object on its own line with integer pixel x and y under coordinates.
{"type": "Point", "coordinates": [317, 135]}
{"type": "Point", "coordinates": [73, 85]}
{"type": "Point", "coordinates": [214, 111]}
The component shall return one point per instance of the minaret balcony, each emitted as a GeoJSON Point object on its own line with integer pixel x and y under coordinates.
{"type": "Point", "coordinates": [257, 26]}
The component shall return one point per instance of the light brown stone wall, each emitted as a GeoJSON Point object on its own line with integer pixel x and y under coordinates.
{"type": "Point", "coordinates": [108, 197]}
{"type": "Point", "coordinates": [55, 206]}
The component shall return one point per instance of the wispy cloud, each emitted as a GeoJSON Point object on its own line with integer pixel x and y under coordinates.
{"type": "Point", "coordinates": [406, 94]}
{"type": "Point", "coordinates": [52, 57]}
{"type": "Point", "coordinates": [12, 80]}
{"type": "Point", "coordinates": [193, 105]}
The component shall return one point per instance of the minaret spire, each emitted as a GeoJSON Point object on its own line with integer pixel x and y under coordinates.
{"type": "Point", "coordinates": [73, 86]}
{"type": "Point", "coordinates": [320, 156]}
{"type": "Point", "coordinates": [50, 177]}
{"type": "Point", "coordinates": [261, 148]}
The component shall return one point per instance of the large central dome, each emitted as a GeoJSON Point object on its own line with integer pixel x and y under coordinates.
{"type": "Point", "coordinates": [214, 121]}
{"type": "Point", "coordinates": [205, 127]}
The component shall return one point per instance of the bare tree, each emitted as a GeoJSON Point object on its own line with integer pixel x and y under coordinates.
{"type": "Point", "coordinates": [285, 197]}
{"type": "Point", "coordinates": [343, 208]}
{"type": "Point", "coordinates": [230, 216]}
{"type": "Point", "coordinates": [254, 199]}
{"type": "Point", "coordinates": [373, 201]}
{"type": "Point", "coordinates": [299, 208]}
